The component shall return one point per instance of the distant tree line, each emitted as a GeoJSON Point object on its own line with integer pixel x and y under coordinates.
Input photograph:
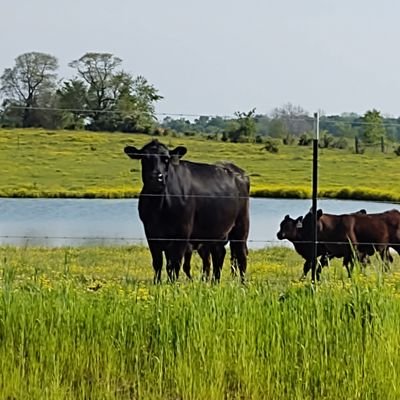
{"type": "Point", "coordinates": [102, 96]}
{"type": "Point", "coordinates": [291, 124]}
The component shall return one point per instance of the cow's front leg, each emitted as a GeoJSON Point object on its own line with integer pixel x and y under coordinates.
{"type": "Point", "coordinates": [306, 268]}
{"type": "Point", "coordinates": [157, 256]}
{"type": "Point", "coordinates": [348, 262]}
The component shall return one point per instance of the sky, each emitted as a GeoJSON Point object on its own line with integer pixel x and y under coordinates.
{"type": "Point", "coordinates": [215, 57]}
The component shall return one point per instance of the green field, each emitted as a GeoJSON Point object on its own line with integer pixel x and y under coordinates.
{"type": "Point", "coordinates": [87, 323]}
{"type": "Point", "coordinates": [37, 163]}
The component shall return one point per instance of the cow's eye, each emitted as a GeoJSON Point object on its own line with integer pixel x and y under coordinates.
{"type": "Point", "coordinates": [166, 160]}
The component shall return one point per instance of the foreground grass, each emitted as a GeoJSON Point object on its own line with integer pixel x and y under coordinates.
{"type": "Point", "coordinates": [84, 323]}
{"type": "Point", "coordinates": [39, 163]}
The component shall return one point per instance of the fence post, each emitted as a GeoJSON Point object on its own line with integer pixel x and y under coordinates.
{"type": "Point", "coordinates": [382, 144]}
{"type": "Point", "coordinates": [315, 195]}
{"type": "Point", "coordinates": [356, 144]}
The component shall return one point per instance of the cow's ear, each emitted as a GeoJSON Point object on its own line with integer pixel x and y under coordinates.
{"type": "Point", "coordinates": [287, 216]}
{"type": "Point", "coordinates": [319, 213]}
{"type": "Point", "coordinates": [177, 153]}
{"type": "Point", "coordinates": [133, 152]}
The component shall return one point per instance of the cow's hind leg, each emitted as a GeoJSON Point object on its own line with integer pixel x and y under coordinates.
{"type": "Point", "coordinates": [175, 255]}
{"type": "Point", "coordinates": [234, 261]}
{"type": "Point", "coordinates": [240, 252]}
{"type": "Point", "coordinates": [386, 258]}
{"type": "Point", "coordinates": [186, 261]}
{"type": "Point", "coordinates": [218, 252]}
{"type": "Point", "coordinates": [205, 254]}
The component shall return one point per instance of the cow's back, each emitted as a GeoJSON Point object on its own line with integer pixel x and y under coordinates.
{"type": "Point", "coordinates": [220, 196]}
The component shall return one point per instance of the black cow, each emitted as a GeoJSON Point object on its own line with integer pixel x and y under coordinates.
{"type": "Point", "coordinates": [356, 235]}
{"type": "Point", "coordinates": [185, 202]}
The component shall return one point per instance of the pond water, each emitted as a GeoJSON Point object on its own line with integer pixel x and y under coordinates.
{"type": "Point", "coordinates": [73, 222]}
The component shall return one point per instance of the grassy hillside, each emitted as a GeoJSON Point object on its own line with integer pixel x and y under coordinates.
{"type": "Point", "coordinates": [87, 323]}
{"type": "Point", "coordinates": [37, 163]}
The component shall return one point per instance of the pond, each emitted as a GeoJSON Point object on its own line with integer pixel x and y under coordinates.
{"type": "Point", "coordinates": [76, 222]}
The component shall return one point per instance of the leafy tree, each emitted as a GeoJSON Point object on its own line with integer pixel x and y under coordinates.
{"type": "Point", "coordinates": [242, 129]}
{"type": "Point", "coordinates": [372, 128]}
{"type": "Point", "coordinates": [263, 123]}
{"type": "Point", "coordinates": [114, 100]}
{"type": "Point", "coordinates": [28, 85]}
{"type": "Point", "coordinates": [72, 97]}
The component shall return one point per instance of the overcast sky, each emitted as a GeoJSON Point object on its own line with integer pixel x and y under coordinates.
{"type": "Point", "coordinates": [222, 56]}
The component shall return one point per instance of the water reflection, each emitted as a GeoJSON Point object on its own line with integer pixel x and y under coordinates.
{"type": "Point", "coordinates": [73, 222]}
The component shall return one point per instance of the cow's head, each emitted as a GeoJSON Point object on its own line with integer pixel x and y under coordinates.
{"type": "Point", "coordinates": [156, 160]}
{"type": "Point", "coordinates": [289, 228]}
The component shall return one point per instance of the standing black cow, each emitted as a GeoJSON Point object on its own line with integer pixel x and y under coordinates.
{"type": "Point", "coordinates": [185, 202]}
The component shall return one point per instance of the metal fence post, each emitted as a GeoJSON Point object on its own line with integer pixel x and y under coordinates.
{"type": "Point", "coordinates": [315, 195]}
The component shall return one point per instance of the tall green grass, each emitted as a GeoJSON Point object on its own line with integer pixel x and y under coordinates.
{"type": "Point", "coordinates": [86, 323]}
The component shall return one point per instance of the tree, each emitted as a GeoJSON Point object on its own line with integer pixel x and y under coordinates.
{"type": "Point", "coordinates": [294, 118]}
{"type": "Point", "coordinates": [115, 100]}
{"type": "Point", "coordinates": [372, 127]}
{"type": "Point", "coordinates": [278, 129]}
{"type": "Point", "coordinates": [72, 96]}
{"type": "Point", "coordinates": [29, 85]}
{"type": "Point", "coordinates": [242, 129]}
{"type": "Point", "coordinates": [98, 71]}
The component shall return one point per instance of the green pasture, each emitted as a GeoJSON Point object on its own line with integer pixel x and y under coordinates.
{"type": "Point", "coordinates": [87, 323]}
{"type": "Point", "coordinates": [37, 163]}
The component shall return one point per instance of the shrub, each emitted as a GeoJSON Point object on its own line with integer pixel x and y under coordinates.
{"type": "Point", "coordinates": [340, 143]}
{"type": "Point", "coordinates": [305, 140]}
{"type": "Point", "coordinates": [270, 146]}
{"type": "Point", "coordinates": [326, 141]}
{"type": "Point", "coordinates": [288, 140]}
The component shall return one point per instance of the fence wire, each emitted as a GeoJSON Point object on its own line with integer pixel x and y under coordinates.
{"type": "Point", "coordinates": [303, 118]}
{"type": "Point", "coordinates": [198, 240]}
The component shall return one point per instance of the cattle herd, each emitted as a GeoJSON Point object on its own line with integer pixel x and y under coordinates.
{"type": "Point", "coordinates": [186, 206]}
{"type": "Point", "coordinates": [354, 236]}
